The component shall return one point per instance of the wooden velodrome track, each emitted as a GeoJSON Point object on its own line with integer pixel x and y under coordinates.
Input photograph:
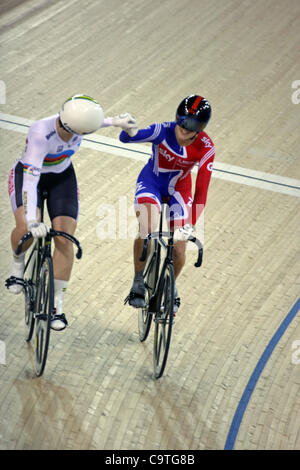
{"type": "Point", "coordinates": [233, 375]}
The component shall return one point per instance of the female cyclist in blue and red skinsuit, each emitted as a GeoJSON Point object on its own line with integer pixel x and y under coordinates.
{"type": "Point", "coordinates": [177, 147]}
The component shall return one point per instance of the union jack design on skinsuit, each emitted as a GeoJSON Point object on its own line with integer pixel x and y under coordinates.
{"type": "Point", "coordinates": [168, 171]}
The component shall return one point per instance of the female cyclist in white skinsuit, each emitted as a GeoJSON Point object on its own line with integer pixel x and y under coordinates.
{"type": "Point", "coordinates": [46, 164]}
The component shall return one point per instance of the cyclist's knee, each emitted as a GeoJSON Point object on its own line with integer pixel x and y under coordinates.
{"type": "Point", "coordinates": [147, 215]}
{"type": "Point", "coordinates": [179, 252]}
{"type": "Point", "coordinates": [63, 245]}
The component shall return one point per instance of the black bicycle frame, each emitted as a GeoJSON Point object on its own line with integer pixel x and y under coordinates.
{"type": "Point", "coordinates": [169, 255]}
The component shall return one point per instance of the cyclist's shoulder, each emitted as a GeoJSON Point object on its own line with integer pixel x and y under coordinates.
{"type": "Point", "coordinates": [169, 126]}
{"type": "Point", "coordinates": [167, 130]}
{"type": "Point", "coordinates": [204, 141]}
{"type": "Point", "coordinates": [156, 132]}
{"type": "Point", "coordinates": [43, 128]}
{"type": "Point", "coordinates": [165, 126]}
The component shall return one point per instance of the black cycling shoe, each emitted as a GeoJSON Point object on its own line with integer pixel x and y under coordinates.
{"type": "Point", "coordinates": [136, 297]}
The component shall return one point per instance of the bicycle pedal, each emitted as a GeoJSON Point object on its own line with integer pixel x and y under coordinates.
{"type": "Point", "coordinates": [159, 318]}
{"type": "Point", "coordinates": [12, 280]}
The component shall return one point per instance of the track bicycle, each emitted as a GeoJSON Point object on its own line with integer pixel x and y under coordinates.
{"type": "Point", "coordinates": [38, 287]}
{"type": "Point", "coordinates": [159, 280]}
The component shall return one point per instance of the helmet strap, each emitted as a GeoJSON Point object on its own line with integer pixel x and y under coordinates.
{"type": "Point", "coordinates": [63, 127]}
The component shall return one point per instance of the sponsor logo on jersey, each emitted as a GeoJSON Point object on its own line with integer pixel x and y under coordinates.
{"type": "Point", "coordinates": [11, 184]}
{"type": "Point", "coordinates": [50, 135]}
{"type": "Point", "coordinates": [139, 186]}
{"type": "Point", "coordinates": [206, 142]}
{"type": "Point", "coordinates": [25, 201]}
{"type": "Point", "coordinates": [190, 202]}
{"type": "Point", "coordinates": [166, 155]}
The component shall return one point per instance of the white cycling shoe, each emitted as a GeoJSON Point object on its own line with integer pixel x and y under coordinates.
{"type": "Point", "coordinates": [58, 322]}
{"type": "Point", "coordinates": [15, 282]}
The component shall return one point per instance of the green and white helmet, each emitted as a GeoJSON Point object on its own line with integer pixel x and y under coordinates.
{"type": "Point", "coordinates": [81, 115]}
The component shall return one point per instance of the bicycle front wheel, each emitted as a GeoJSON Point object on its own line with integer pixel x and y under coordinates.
{"type": "Point", "coordinates": [163, 320]}
{"type": "Point", "coordinates": [29, 292]}
{"type": "Point", "coordinates": [150, 276]}
{"type": "Point", "coordinates": [44, 311]}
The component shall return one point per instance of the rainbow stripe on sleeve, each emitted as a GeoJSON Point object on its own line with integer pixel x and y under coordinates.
{"type": "Point", "coordinates": [31, 169]}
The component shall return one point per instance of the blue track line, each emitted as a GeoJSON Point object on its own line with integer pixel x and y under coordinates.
{"type": "Point", "coordinates": [238, 416]}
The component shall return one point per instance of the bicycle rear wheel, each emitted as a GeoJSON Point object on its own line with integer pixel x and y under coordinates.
{"type": "Point", "coordinates": [44, 311]}
{"type": "Point", "coordinates": [163, 320]}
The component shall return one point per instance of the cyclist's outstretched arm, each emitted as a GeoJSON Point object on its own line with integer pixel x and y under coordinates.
{"type": "Point", "coordinates": [154, 134]}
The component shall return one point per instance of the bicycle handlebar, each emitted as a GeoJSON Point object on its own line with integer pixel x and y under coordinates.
{"type": "Point", "coordinates": [56, 233]}
{"type": "Point", "coordinates": [52, 233]}
{"type": "Point", "coordinates": [200, 250]}
{"type": "Point", "coordinates": [167, 234]}
{"type": "Point", "coordinates": [24, 239]}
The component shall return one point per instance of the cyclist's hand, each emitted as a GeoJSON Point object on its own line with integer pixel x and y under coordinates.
{"type": "Point", "coordinates": [38, 229]}
{"type": "Point", "coordinates": [127, 123]}
{"type": "Point", "coordinates": [132, 131]}
{"type": "Point", "coordinates": [183, 233]}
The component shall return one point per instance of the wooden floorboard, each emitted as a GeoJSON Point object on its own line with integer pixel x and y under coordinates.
{"type": "Point", "coordinates": [98, 390]}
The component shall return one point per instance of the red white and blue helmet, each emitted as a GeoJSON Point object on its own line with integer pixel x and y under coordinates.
{"type": "Point", "coordinates": [193, 113]}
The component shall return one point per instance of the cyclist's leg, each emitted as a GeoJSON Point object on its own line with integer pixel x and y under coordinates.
{"type": "Point", "coordinates": [147, 208]}
{"type": "Point", "coordinates": [63, 257]}
{"type": "Point", "coordinates": [147, 214]}
{"type": "Point", "coordinates": [147, 205]}
{"type": "Point", "coordinates": [63, 209]}
{"type": "Point", "coordinates": [179, 213]}
{"type": "Point", "coordinates": [63, 254]}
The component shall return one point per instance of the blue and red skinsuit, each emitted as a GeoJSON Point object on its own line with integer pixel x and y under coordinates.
{"type": "Point", "coordinates": [168, 171]}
